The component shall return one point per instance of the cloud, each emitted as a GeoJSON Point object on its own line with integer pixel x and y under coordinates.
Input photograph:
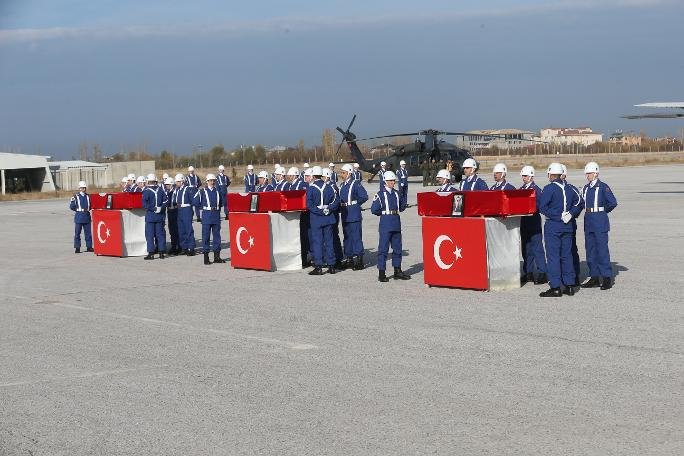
{"type": "Point", "coordinates": [310, 23]}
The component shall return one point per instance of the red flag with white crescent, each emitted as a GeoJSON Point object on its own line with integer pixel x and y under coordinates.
{"type": "Point", "coordinates": [107, 236]}
{"type": "Point", "coordinates": [250, 241]}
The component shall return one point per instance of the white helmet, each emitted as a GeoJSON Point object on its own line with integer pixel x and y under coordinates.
{"type": "Point", "coordinates": [382, 163]}
{"type": "Point", "coordinates": [191, 168]}
{"type": "Point", "coordinates": [356, 165]}
{"type": "Point", "coordinates": [527, 171]}
{"type": "Point", "coordinates": [151, 178]}
{"type": "Point", "coordinates": [327, 172]}
{"type": "Point", "coordinates": [222, 168]}
{"type": "Point", "coordinates": [180, 177]}
{"type": "Point", "coordinates": [263, 174]}
{"type": "Point", "coordinates": [389, 176]}
{"type": "Point", "coordinates": [82, 184]}
{"type": "Point", "coordinates": [308, 172]}
{"type": "Point", "coordinates": [402, 162]}
{"type": "Point", "coordinates": [316, 171]}
{"type": "Point", "coordinates": [140, 180]}
{"type": "Point", "coordinates": [211, 177]}
{"type": "Point", "coordinates": [124, 179]}
{"type": "Point", "coordinates": [348, 168]}
{"type": "Point", "coordinates": [280, 170]}
{"type": "Point", "coordinates": [331, 165]}
{"type": "Point", "coordinates": [293, 171]}
{"type": "Point", "coordinates": [500, 168]}
{"type": "Point", "coordinates": [565, 169]}
{"type": "Point", "coordinates": [131, 177]}
{"type": "Point", "coordinates": [469, 163]}
{"type": "Point", "coordinates": [555, 168]}
{"type": "Point", "coordinates": [250, 167]}
{"type": "Point", "coordinates": [591, 167]}
{"type": "Point", "coordinates": [277, 165]}
{"type": "Point", "coordinates": [444, 174]}
{"type": "Point", "coordinates": [165, 176]}
{"type": "Point", "coordinates": [306, 165]}
{"type": "Point", "coordinates": [168, 181]}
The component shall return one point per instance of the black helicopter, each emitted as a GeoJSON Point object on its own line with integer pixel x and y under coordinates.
{"type": "Point", "coordinates": [415, 154]}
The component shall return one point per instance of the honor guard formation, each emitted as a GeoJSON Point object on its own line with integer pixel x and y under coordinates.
{"type": "Point", "coordinates": [549, 249]}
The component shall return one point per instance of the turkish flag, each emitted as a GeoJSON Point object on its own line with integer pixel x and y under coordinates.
{"type": "Point", "coordinates": [250, 241]}
{"type": "Point", "coordinates": [455, 252]}
{"type": "Point", "coordinates": [107, 234]}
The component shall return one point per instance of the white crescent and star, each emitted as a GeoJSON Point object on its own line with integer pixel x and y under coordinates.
{"type": "Point", "coordinates": [435, 251]}
{"type": "Point", "coordinates": [99, 232]}
{"type": "Point", "coordinates": [238, 244]}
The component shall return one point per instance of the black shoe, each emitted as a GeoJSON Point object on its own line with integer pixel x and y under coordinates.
{"type": "Point", "coordinates": [529, 277]}
{"type": "Point", "coordinates": [358, 263]}
{"type": "Point", "coordinates": [173, 252]}
{"type": "Point", "coordinates": [541, 280]}
{"type": "Point", "coordinates": [345, 264]}
{"type": "Point", "coordinates": [332, 270]}
{"type": "Point", "coordinates": [90, 249]}
{"type": "Point", "coordinates": [551, 293]}
{"type": "Point", "coordinates": [607, 283]}
{"type": "Point", "coordinates": [317, 271]}
{"type": "Point", "coordinates": [77, 250]}
{"type": "Point", "coordinates": [570, 290]}
{"type": "Point", "coordinates": [190, 252]}
{"type": "Point", "coordinates": [150, 256]}
{"type": "Point", "coordinates": [400, 275]}
{"type": "Point", "coordinates": [591, 283]}
{"type": "Point", "coordinates": [206, 258]}
{"type": "Point", "coordinates": [217, 258]}
{"type": "Point", "coordinates": [382, 277]}
{"type": "Point", "coordinates": [161, 256]}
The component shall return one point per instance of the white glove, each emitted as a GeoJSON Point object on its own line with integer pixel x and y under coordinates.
{"type": "Point", "coordinates": [566, 217]}
{"type": "Point", "coordinates": [157, 210]}
{"type": "Point", "coordinates": [326, 211]}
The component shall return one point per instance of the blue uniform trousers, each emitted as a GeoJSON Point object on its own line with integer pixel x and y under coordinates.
{"type": "Point", "coordinates": [305, 235]}
{"type": "Point", "coordinates": [186, 233]}
{"type": "Point", "coordinates": [559, 264]}
{"type": "Point", "coordinates": [403, 194]}
{"type": "Point", "coordinates": [353, 241]}
{"type": "Point", "coordinates": [575, 254]}
{"type": "Point", "coordinates": [337, 244]}
{"type": "Point", "coordinates": [533, 253]}
{"type": "Point", "coordinates": [155, 236]}
{"type": "Point", "coordinates": [173, 226]}
{"type": "Point", "coordinates": [322, 248]}
{"type": "Point", "coordinates": [87, 234]}
{"type": "Point", "coordinates": [214, 230]}
{"type": "Point", "coordinates": [598, 255]}
{"type": "Point", "coordinates": [388, 238]}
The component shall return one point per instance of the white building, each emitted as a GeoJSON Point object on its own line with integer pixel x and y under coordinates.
{"type": "Point", "coordinates": [584, 136]}
{"type": "Point", "coordinates": [509, 138]}
{"type": "Point", "coordinates": [21, 172]}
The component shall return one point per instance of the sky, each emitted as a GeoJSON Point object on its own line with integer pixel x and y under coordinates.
{"type": "Point", "coordinates": [175, 74]}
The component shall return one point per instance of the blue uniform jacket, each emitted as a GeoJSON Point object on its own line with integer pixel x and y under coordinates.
{"type": "Point", "coordinates": [250, 182]}
{"type": "Point", "coordinates": [387, 204]}
{"type": "Point", "coordinates": [381, 177]}
{"type": "Point", "coordinates": [184, 196]}
{"type": "Point", "coordinates": [298, 184]}
{"type": "Point", "coordinates": [599, 200]}
{"type": "Point", "coordinates": [319, 197]}
{"type": "Point", "coordinates": [193, 180]}
{"type": "Point", "coordinates": [333, 177]}
{"type": "Point", "coordinates": [279, 186]}
{"type": "Point", "coordinates": [264, 188]}
{"type": "Point", "coordinates": [135, 189]}
{"type": "Point", "coordinates": [357, 175]}
{"type": "Point", "coordinates": [473, 183]}
{"type": "Point", "coordinates": [503, 185]}
{"type": "Point", "coordinates": [448, 187]}
{"type": "Point", "coordinates": [80, 204]}
{"type": "Point", "coordinates": [154, 200]}
{"type": "Point", "coordinates": [551, 205]}
{"type": "Point", "coordinates": [352, 196]}
{"type": "Point", "coordinates": [402, 176]}
{"type": "Point", "coordinates": [171, 198]}
{"type": "Point", "coordinates": [532, 224]}
{"type": "Point", "coordinates": [210, 200]}
{"type": "Point", "coordinates": [222, 182]}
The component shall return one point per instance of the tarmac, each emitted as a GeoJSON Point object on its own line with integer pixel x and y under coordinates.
{"type": "Point", "coordinates": [112, 356]}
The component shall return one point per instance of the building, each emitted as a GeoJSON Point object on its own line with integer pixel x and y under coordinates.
{"type": "Point", "coordinates": [583, 136]}
{"type": "Point", "coordinates": [509, 138]}
{"type": "Point", "coordinates": [630, 139]}
{"type": "Point", "coordinates": [25, 173]}
{"type": "Point", "coordinates": [67, 174]}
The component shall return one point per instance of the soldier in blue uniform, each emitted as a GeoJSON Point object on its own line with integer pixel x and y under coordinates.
{"type": "Point", "coordinates": [154, 201]}
{"type": "Point", "coordinates": [387, 205]}
{"type": "Point", "coordinates": [193, 181]}
{"type": "Point", "coordinates": [130, 186]}
{"type": "Point", "coordinates": [222, 183]}
{"type": "Point", "coordinates": [250, 179]}
{"type": "Point", "coordinates": [139, 185]}
{"type": "Point", "coordinates": [576, 210]}
{"type": "Point", "coordinates": [210, 200]}
{"type": "Point", "coordinates": [296, 180]}
{"type": "Point", "coordinates": [273, 175]}
{"type": "Point", "coordinates": [337, 242]}
{"type": "Point", "coordinates": [471, 181]}
{"type": "Point", "coordinates": [263, 185]}
{"type": "Point", "coordinates": [80, 204]}
{"type": "Point", "coordinates": [534, 259]}
{"type": "Point", "coordinates": [444, 181]}
{"type": "Point", "coordinates": [305, 225]}
{"type": "Point", "coordinates": [333, 174]}
{"type": "Point", "coordinates": [500, 183]}
{"type": "Point", "coordinates": [357, 173]}
{"type": "Point", "coordinates": [555, 203]}
{"type": "Point", "coordinates": [402, 175]}
{"type": "Point", "coordinates": [352, 196]}
{"type": "Point", "coordinates": [381, 174]}
{"type": "Point", "coordinates": [124, 184]}
{"type": "Point", "coordinates": [172, 215]}
{"type": "Point", "coordinates": [279, 176]}
{"type": "Point", "coordinates": [322, 202]}
{"type": "Point", "coordinates": [186, 233]}
{"type": "Point", "coordinates": [599, 202]}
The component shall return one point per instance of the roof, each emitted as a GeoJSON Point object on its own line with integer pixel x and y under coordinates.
{"type": "Point", "coordinates": [21, 161]}
{"type": "Point", "coordinates": [75, 164]}
{"type": "Point", "coordinates": [504, 131]}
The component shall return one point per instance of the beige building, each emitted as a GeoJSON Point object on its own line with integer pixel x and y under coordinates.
{"type": "Point", "coordinates": [509, 138]}
{"type": "Point", "coordinates": [583, 136]}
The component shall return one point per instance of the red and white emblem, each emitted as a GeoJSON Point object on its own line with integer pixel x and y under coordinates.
{"type": "Point", "coordinates": [107, 232]}
{"type": "Point", "coordinates": [250, 241]}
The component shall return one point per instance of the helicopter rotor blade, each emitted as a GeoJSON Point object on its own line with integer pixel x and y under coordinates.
{"type": "Point", "coordinates": [389, 136]}
{"type": "Point", "coordinates": [487, 135]}
{"type": "Point", "coordinates": [351, 123]}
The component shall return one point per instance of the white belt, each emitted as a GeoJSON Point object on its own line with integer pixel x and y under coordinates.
{"type": "Point", "coordinates": [81, 210]}
{"type": "Point", "coordinates": [390, 212]}
{"type": "Point", "coordinates": [350, 203]}
{"type": "Point", "coordinates": [207, 208]}
{"type": "Point", "coordinates": [596, 209]}
{"type": "Point", "coordinates": [185, 205]}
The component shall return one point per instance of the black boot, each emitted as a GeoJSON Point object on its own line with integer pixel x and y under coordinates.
{"type": "Point", "coordinates": [551, 293]}
{"type": "Point", "coordinates": [77, 250]}
{"type": "Point", "coordinates": [150, 256]}
{"type": "Point", "coordinates": [332, 270]}
{"type": "Point", "coordinates": [607, 283]}
{"type": "Point", "coordinates": [400, 275]}
{"type": "Point", "coordinates": [217, 257]}
{"type": "Point", "coordinates": [382, 277]}
{"type": "Point", "coordinates": [317, 270]}
{"type": "Point", "coordinates": [570, 290]}
{"type": "Point", "coordinates": [345, 264]}
{"type": "Point", "coordinates": [529, 277]}
{"type": "Point", "coordinates": [90, 249]}
{"type": "Point", "coordinates": [591, 283]}
{"type": "Point", "coordinates": [358, 263]}
{"type": "Point", "coordinates": [161, 256]}
{"type": "Point", "coordinates": [206, 258]}
{"type": "Point", "coordinates": [541, 280]}
{"type": "Point", "coordinates": [190, 252]}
